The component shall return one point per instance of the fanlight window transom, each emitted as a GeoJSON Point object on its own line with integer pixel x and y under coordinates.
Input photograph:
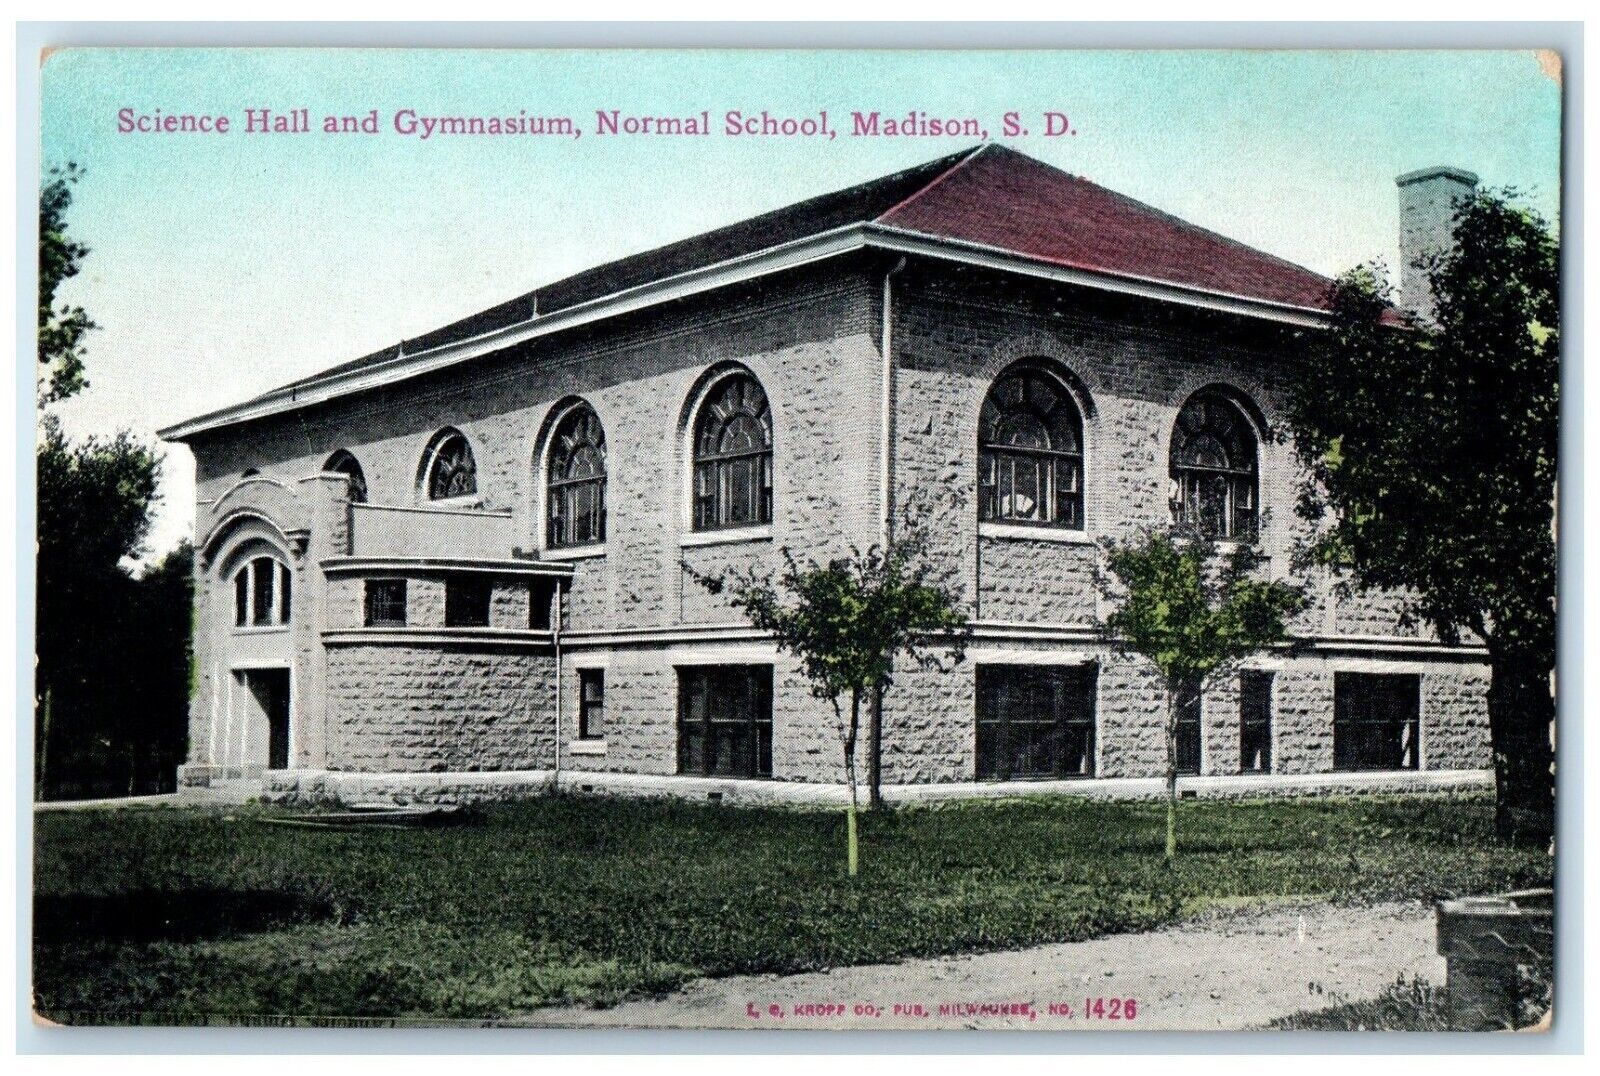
{"type": "Point", "coordinates": [577, 479]}
{"type": "Point", "coordinates": [1214, 470]}
{"type": "Point", "coordinates": [1030, 453]}
{"type": "Point", "coordinates": [451, 470]}
{"type": "Point", "coordinates": [733, 456]}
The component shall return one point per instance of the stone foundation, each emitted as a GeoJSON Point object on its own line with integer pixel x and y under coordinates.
{"type": "Point", "coordinates": [304, 787]}
{"type": "Point", "coordinates": [203, 775]}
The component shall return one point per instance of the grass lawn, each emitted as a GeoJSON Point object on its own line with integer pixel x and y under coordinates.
{"type": "Point", "coordinates": [187, 913]}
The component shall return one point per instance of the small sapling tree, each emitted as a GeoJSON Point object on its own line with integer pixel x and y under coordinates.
{"type": "Point", "coordinates": [848, 620]}
{"type": "Point", "coordinates": [1194, 613]}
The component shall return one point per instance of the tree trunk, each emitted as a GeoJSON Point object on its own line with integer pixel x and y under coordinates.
{"type": "Point", "coordinates": [39, 778]}
{"type": "Point", "coordinates": [852, 847]}
{"type": "Point", "coordinates": [875, 757]}
{"type": "Point", "coordinates": [1521, 732]}
{"type": "Point", "coordinates": [852, 842]}
{"type": "Point", "coordinates": [1173, 708]}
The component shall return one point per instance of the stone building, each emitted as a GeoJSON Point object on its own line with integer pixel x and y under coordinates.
{"type": "Point", "coordinates": [463, 565]}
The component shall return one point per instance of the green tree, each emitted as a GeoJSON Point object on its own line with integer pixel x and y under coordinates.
{"type": "Point", "coordinates": [94, 508]}
{"type": "Point", "coordinates": [848, 620]}
{"type": "Point", "coordinates": [1430, 453]}
{"type": "Point", "coordinates": [1194, 613]}
{"type": "Point", "coordinates": [151, 724]}
{"type": "Point", "coordinates": [112, 676]}
{"type": "Point", "coordinates": [61, 328]}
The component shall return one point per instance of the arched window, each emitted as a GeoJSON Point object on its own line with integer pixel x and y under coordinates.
{"type": "Point", "coordinates": [1030, 453]}
{"type": "Point", "coordinates": [577, 475]}
{"type": "Point", "coordinates": [261, 593]}
{"type": "Point", "coordinates": [342, 462]}
{"type": "Point", "coordinates": [733, 456]}
{"type": "Point", "coordinates": [1213, 464]}
{"type": "Point", "coordinates": [448, 469]}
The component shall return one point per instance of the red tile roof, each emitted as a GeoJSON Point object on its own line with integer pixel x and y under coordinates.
{"type": "Point", "coordinates": [991, 196]}
{"type": "Point", "coordinates": [1006, 200]}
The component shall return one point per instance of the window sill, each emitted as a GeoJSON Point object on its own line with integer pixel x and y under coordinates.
{"type": "Point", "coordinates": [430, 634]}
{"type": "Point", "coordinates": [260, 629]}
{"type": "Point", "coordinates": [729, 536]}
{"type": "Point", "coordinates": [587, 747]}
{"type": "Point", "coordinates": [1019, 531]}
{"type": "Point", "coordinates": [573, 552]}
{"type": "Point", "coordinates": [1376, 769]}
{"type": "Point", "coordinates": [470, 502]}
{"type": "Point", "coordinates": [1226, 546]}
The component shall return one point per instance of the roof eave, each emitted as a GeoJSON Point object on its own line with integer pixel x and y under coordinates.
{"type": "Point", "coordinates": [978, 254]}
{"type": "Point", "coordinates": [682, 285]}
{"type": "Point", "coordinates": [765, 262]}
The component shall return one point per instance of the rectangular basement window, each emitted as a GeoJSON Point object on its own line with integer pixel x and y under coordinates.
{"type": "Point", "coordinates": [466, 601]}
{"type": "Point", "coordinates": [1035, 721]}
{"type": "Point", "coordinates": [1190, 731]}
{"type": "Point", "coordinates": [1375, 720]}
{"type": "Point", "coordinates": [725, 720]}
{"type": "Point", "coordinates": [386, 603]}
{"type": "Point", "coordinates": [1255, 722]}
{"type": "Point", "coordinates": [591, 704]}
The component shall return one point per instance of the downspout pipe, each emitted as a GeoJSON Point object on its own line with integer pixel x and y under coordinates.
{"type": "Point", "coordinates": [886, 392]}
{"type": "Point", "coordinates": [886, 529]}
{"type": "Point", "coordinates": [555, 641]}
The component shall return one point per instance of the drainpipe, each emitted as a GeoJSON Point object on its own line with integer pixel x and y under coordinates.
{"type": "Point", "coordinates": [885, 533]}
{"type": "Point", "coordinates": [886, 428]}
{"type": "Point", "coordinates": [555, 639]}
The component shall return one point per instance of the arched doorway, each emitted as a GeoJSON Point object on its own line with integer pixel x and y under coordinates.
{"type": "Point", "coordinates": [250, 726]}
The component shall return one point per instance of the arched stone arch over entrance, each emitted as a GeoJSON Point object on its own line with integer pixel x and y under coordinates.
{"type": "Point", "coordinates": [247, 628]}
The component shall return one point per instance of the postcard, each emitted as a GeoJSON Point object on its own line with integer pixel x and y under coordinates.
{"type": "Point", "coordinates": [784, 539]}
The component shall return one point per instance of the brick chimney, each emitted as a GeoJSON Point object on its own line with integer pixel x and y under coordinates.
{"type": "Point", "coordinates": [1428, 199]}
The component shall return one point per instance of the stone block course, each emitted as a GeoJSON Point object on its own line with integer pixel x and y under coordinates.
{"type": "Point", "coordinates": [1029, 581]}
{"type": "Point", "coordinates": [410, 709]}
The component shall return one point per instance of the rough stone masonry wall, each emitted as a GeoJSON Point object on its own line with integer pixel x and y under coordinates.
{"type": "Point", "coordinates": [1132, 367]}
{"type": "Point", "coordinates": [930, 734]}
{"type": "Point", "coordinates": [435, 708]}
{"type": "Point", "coordinates": [641, 688]}
{"type": "Point", "coordinates": [811, 339]}
{"type": "Point", "coordinates": [806, 335]}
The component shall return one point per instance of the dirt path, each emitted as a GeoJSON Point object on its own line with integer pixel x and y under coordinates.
{"type": "Point", "coordinates": [1225, 972]}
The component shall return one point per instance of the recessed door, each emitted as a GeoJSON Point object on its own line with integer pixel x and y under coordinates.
{"type": "Point", "coordinates": [270, 688]}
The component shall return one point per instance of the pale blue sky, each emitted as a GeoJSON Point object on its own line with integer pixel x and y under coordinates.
{"type": "Point", "coordinates": [225, 265]}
